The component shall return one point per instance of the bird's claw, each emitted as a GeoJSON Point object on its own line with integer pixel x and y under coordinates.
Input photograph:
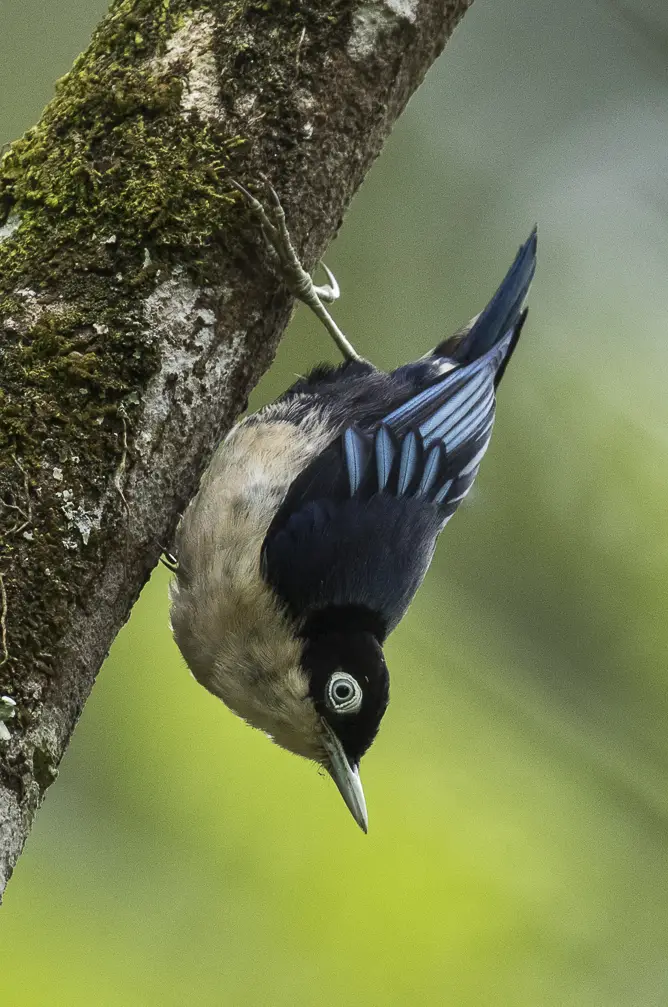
{"type": "Point", "coordinates": [330, 291]}
{"type": "Point", "coordinates": [282, 251]}
{"type": "Point", "coordinates": [288, 265]}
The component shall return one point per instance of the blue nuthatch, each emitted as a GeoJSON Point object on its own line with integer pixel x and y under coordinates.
{"type": "Point", "coordinates": [317, 519]}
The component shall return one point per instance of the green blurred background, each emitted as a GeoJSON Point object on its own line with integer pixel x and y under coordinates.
{"type": "Point", "coordinates": [518, 791]}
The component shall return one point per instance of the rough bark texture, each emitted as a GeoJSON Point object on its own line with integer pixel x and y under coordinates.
{"type": "Point", "coordinates": [136, 311]}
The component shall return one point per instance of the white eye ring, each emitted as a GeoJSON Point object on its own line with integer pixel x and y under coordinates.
{"type": "Point", "coordinates": [343, 693]}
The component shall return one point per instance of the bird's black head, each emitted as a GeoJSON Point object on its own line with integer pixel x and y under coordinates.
{"type": "Point", "coordinates": [349, 686]}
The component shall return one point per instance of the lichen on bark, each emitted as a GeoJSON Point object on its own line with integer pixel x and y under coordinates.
{"type": "Point", "coordinates": [112, 189]}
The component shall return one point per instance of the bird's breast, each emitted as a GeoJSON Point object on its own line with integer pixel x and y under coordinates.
{"type": "Point", "coordinates": [226, 620]}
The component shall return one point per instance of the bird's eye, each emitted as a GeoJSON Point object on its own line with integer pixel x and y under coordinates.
{"type": "Point", "coordinates": [343, 693]}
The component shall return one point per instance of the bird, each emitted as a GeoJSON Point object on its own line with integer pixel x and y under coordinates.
{"type": "Point", "coordinates": [317, 519]}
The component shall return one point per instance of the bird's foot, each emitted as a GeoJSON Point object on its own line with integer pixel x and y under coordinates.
{"type": "Point", "coordinates": [169, 560]}
{"type": "Point", "coordinates": [288, 266]}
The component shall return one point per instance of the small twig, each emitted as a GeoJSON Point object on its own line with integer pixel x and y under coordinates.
{"type": "Point", "coordinates": [27, 518]}
{"type": "Point", "coordinates": [118, 485]}
{"type": "Point", "coordinates": [26, 489]}
{"type": "Point", "coordinates": [298, 50]}
{"type": "Point", "coordinates": [3, 621]}
{"type": "Point", "coordinates": [15, 507]}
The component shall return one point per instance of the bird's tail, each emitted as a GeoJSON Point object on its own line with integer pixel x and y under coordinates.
{"type": "Point", "coordinates": [505, 313]}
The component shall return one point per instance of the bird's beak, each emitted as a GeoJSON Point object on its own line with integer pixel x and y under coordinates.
{"type": "Point", "coordinates": [346, 777]}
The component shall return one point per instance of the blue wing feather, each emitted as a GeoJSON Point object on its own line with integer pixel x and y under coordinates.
{"type": "Point", "coordinates": [410, 456]}
{"type": "Point", "coordinates": [432, 459]}
{"type": "Point", "coordinates": [359, 523]}
{"type": "Point", "coordinates": [439, 497]}
{"type": "Point", "coordinates": [430, 471]}
{"type": "Point", "coordinates": [473, 422]}
{"type": "Point", "coordinates": [355, 456]}
{"type": "Point", "coordinates": [385, 454]}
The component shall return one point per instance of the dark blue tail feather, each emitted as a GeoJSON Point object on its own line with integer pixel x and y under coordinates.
{"type": "Point", "coordinates": [503, 314]}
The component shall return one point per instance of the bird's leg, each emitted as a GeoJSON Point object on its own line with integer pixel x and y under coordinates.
{"type": "Point", "coordinates": [290, 269]}
{"type": "Point", "coordinates": [168, 558]}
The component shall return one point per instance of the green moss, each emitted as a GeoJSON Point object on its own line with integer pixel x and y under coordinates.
{"type": "Point", "coordinates": [112, 188]}
{"type": "Point", "coordinates": [112, 156]}
{"type": "Point", "coordinates": [115, 184]}
{"type": "Point", "coordinates": [112, 172]}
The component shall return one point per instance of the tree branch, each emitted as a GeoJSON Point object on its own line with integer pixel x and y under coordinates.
{"type": "Point", "coordinates": [136, 313]}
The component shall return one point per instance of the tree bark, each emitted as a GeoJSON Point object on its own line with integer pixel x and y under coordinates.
{"type": "Point", "coordinates": [137, 309]}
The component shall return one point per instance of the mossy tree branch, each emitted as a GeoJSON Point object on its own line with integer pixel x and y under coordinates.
{"type": "Point", "coordinates": [135, 312]}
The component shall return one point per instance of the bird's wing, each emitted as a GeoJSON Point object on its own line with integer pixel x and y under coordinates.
{"type": "Point", "coordinates": [368, 555]}
{"type": "Point", "coordinates": [431, 446]}
{"type": "Point", "coordinates": [358, 526]}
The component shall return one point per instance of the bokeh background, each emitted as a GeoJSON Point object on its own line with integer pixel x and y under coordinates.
{"type": "Point", "coordinates": [518, 791]}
